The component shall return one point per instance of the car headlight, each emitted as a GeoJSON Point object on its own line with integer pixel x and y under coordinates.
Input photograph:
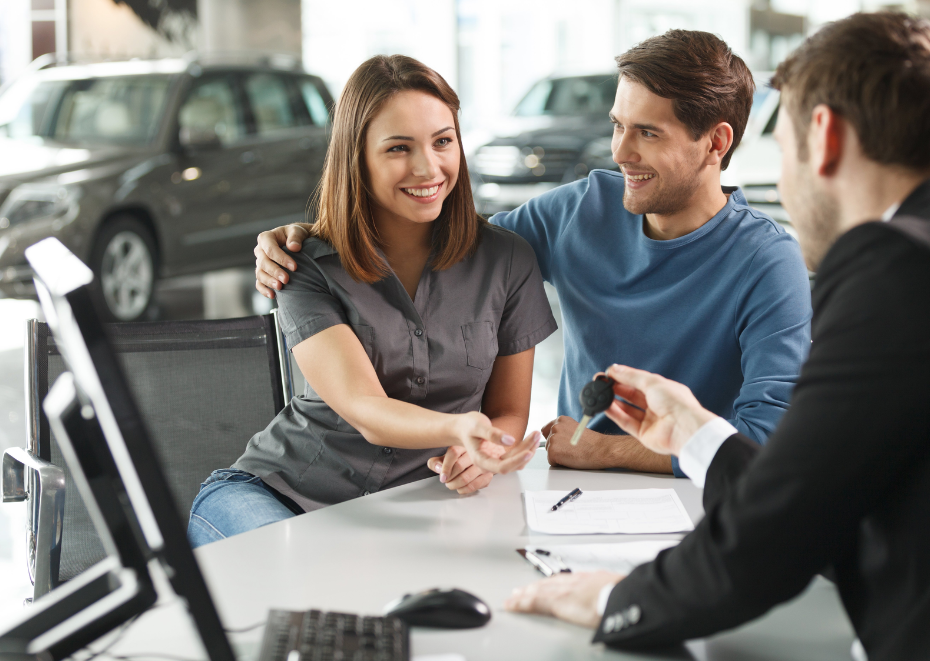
{"type": "Point", "coordinates": [598, 154]}
{"type": "Point", "coordinates": [762, 194]}
{"type": "Point", "coordinates": [39, 202]}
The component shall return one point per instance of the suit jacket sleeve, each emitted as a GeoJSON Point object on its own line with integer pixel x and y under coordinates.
{"type": "Point", "coordinates": [730, 462]}
{"type": "Point", "coordinates": [775, 521]}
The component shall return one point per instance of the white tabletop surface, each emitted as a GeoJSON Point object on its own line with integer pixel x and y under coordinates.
{"type": "Point", "coordinates": [359, 555]}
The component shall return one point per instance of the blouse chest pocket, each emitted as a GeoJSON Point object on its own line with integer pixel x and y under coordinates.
{"type": "Point", "coordinates": [365, 335]}
{"type": "Point", "coordinates": [480, 344]}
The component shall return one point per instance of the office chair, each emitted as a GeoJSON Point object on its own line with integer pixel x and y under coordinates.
{"type": "Point", "coordinates": [203, 387]}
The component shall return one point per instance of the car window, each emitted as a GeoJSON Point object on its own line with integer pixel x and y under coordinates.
{"type": "Point", "coordinates": [569, 96]}
{"type": "Point", "coordinates": [27, 107]}
{"type": "Point", "coordinates": [316, 106]}
{"type": "Point", "coordinates": [271, 104]}
{"type": "Point", "coordinates": [211, 106]}
{"type": "Point", "coordinates": [118, 109]}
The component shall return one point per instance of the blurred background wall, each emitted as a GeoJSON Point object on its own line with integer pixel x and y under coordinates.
{"type": "Point", "coordinates": [489, 50]}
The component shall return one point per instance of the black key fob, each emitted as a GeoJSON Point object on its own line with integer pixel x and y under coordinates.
{"type": "Point", "coordinates": [597, 396]}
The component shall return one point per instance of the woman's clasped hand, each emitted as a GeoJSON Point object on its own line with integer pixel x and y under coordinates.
{"type": "Point", "coordinates": [459, 470]}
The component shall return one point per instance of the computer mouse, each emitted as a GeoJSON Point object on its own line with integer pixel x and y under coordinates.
{"type": "Point", "coordinates": [443, 608]}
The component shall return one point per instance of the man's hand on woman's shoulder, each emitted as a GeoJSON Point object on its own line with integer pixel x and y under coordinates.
{"type": "Point", "coordinates": [271, 261]}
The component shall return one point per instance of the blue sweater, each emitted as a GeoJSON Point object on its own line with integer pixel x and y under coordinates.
{"type": "Point", "coordinates": [725, 309]}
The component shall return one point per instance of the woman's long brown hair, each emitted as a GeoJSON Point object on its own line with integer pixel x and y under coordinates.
{"type": "Point", "coordinates": [343, 201]}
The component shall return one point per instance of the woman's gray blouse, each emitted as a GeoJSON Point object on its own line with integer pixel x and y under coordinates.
{"type": "Point", "coordinates": [435, 351]}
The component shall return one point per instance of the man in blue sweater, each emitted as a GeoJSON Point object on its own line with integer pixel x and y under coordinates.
{"type": "Point", "coordinates": [657, 266]}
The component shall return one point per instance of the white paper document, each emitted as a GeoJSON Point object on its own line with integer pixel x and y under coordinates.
{"type": "Point", "coordinates": [630, 511]}
{"type": "Point", "coordinates": [619, 558]}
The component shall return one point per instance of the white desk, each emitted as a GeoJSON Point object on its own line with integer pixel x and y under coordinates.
{"type": "Point", "coordinates": [359, 555]}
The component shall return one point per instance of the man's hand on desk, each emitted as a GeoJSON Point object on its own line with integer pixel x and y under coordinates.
{"type": "Point", "coordinates": [269, 258]}
{"type": "Point", "coordinates": [569, 597]}
{"type": "Point", "coordinates": [597, 451]}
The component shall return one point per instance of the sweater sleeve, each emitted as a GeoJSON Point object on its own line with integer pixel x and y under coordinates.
{"type": "Point", "coordinates": [772, 324]}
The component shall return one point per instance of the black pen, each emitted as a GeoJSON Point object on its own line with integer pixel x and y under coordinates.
{"type": "Point", "coordinates": [574, 493]}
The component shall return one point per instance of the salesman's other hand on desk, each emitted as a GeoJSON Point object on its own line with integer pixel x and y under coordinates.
{"type": "Point", "coordinates": [664, 414]}
{"type": "Point", "coordinates": [569, 597]}
{"type": "Point", "coordinates": [272, 263]}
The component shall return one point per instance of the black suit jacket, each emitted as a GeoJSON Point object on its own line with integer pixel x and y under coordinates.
{"type": "Point", "coordinates": [843, 482]}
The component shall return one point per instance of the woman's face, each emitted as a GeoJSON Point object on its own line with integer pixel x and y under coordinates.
{"type": "Point", "coordinates": [413, 157]}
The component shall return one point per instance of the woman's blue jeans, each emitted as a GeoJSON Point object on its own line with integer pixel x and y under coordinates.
{"type": "Point", "coordinates": [232, 501]}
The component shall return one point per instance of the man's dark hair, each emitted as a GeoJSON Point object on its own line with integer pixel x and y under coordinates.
{"type": "Point", "coordinates": [706, 82]}
{"type": "Point", "coordinates": [874, 71]}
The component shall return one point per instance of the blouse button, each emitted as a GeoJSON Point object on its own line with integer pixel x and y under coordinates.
{"type": "Point", "coordinates": [421, 380]}
{"type": "Point", "coordinates": [387, 450]}
{"type": "Point", "coordinates": [418, 332]}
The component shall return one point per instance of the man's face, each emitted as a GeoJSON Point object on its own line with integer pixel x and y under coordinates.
{"type": "Point", "coordinates": [655, 151]}
{"type": "Point", "coordinates": [813, 212]}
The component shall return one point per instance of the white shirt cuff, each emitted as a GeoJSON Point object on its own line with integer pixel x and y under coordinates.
{"type": "Point", "coordinates": [603, 597]}
{"type": "Point", "coordinates": [697, 454]}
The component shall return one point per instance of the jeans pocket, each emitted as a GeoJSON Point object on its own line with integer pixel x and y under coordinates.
{"type": "Point", "coordinates": [480, 344]}
{"type": "Point", "coordinates": [228, 475]}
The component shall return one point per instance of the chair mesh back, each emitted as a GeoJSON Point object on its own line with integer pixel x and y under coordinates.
{"type": "Point", "coordinates": [203, 389]}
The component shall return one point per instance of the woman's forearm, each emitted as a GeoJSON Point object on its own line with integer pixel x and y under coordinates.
{"type": "Point", "coordinates": [514, 425]}
{"type": "Point", "coordinates": [392, 423]}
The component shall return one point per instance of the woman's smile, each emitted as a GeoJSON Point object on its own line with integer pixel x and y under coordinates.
{"type": "Point", "coordinates": [424, 194]}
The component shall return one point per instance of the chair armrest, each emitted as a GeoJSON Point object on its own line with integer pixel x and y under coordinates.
{"type": "Point", "coordinates": [46, 490]}
{"type": "Point", "coordinates": [15, 463]}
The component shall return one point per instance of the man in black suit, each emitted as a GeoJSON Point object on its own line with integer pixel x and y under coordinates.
{"type": "Point", "coordinates": [843, 484]}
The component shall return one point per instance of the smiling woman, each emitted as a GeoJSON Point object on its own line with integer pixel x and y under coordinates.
{"type": "Point", "coordinates": [404, 134]}
{"type": "Point", "coordinates": [413, 321]}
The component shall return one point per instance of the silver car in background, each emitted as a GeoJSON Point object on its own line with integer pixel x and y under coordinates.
{"type": "Point", "coordinates": [149, 169]}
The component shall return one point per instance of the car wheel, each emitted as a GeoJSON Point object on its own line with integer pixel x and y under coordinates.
{"type": "Point", "coordinates": [123, 261]}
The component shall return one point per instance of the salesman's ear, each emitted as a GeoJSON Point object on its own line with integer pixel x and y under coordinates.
{"type": "Point", "coordinates": [826, 139]}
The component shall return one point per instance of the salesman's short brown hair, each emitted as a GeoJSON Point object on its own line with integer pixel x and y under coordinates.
{"type": "Point", "coordinates": [874, 71]}
{"type": "Point", "coordinates": [705, 80]}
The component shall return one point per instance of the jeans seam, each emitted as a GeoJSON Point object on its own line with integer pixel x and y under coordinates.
{"type": "Point", "coordinates": [210, 525]}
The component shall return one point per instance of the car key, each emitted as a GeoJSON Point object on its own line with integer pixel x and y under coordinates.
{"type": "Point", "coordinates": [596, 397]}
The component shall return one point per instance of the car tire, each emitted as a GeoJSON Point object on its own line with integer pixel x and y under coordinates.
{"type": "Point", "coordinates": [124, 265]}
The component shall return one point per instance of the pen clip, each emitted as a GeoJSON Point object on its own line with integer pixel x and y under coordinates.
{"type": "Point", "coordinates": [563, 568]}
{"type": "Point", "coordinates": [537, 562]}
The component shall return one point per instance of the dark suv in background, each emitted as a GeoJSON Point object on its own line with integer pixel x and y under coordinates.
{"type": "Point", "coordinates": [149, 169]}
{"type": "Point", "coordinates": [558, 133]}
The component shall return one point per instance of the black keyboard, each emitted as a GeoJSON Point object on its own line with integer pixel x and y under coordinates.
{"type": "Point", "coordinates": [318, 636]}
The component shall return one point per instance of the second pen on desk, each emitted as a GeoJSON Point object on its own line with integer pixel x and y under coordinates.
{"type": "Point", "coordinates": [570, 496]}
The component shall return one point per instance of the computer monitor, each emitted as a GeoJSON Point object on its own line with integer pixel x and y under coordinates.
{"type": "Point", "coordinates": [105, 443]}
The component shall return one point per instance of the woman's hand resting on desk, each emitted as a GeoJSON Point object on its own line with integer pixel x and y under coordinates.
{"type": "Point", "coordinates": [459, 473]}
